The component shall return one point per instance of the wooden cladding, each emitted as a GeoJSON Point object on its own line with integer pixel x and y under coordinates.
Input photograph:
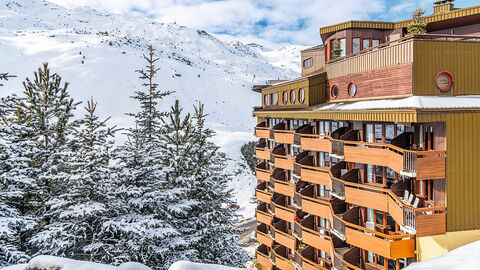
{"type": "Point", "coordinates": [262, 154]}
{"type": "Point", "coordinates": [428, 225]}
{"type": "Point", "coordinates": [314, 239]}
{"type": "Point", "coordinates": [431, 166]}
{"type": "Point", "coordinates": [263, 196]}
{"type": "Point", "coordinates": [388, 249]}
{"type": "Point", "coordinates": [264, 217]}
{"type": "Point", "coordinates": [316, 177]}
{"type": "Point", "coordinates": [284, 163]}
{"type": "Point", "coordinates": [284, 188]}
{"type": "Point", "coordinates": [264, 239]}
{"type": "Point", "coordinates": [373, 156]}
{"type": "Point", "coordinates": [262, 175]}
{"type": "Point", "coordinates": [284, 264]}
{"type": "Point", "coordinates": [262, 133]}
{"type": "Point", "coordinates": [264, 261]}
{"type": "Point", "coordinates": [285, 239]}
{"type": "Point", "coordinates": [316, 208]}
{"type": "Point", "coordinates": [367, 198]}
{"type": "Point", "coordinates": [316, 144]}
{"type": "Point", "coordinates": [285, 214]}
{"type": "Point", "coordinates": [284, 137]}
{"type": "Point", "coordinates": [392, 55]}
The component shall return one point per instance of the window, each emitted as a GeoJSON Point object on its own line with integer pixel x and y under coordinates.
{"type": "Point", "coordinates": [266, 100]}
{"type": "Point", "coordinates": [334, 91]}
{"type": "Point", "coordinates": [307, 63]}
{"type": "Point", "coordinates": [366, 44]}
{"type": "Point", "coordinates": [342, 47]}
{"type": "Point", "coordinates": [375, 42]}
{"type": "Point", "coordinates": [292, 96]}
{"type": "Point", "coordinates": [369, 133]}
{"type": "Point", "coordinates": [378, 133]}
{"type": "Point", "coordinates": [285, 97]}
{"type": "Point", "coordinates": [370, 173]}
{"type": "Point", "coordinates": [275, 99]}
{"type": "Point", "coordinates": [352, 89]}
{"type": "Point", "coordinates": [355, 45]}
{"type": "Point", "coordinates": [301, 95]}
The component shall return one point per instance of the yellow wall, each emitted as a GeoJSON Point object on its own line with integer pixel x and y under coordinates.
{"type": "Point", "coordinates": [433, 246]}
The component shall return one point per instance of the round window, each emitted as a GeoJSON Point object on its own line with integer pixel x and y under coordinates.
{"type": "Point", "coordinates": [292, 96]}
{"type": "Point", "coordinates": [275, 99]}
{"type": "Point", "coordinates": [266, 100]}
{"type": "Point", "coordinates": [301, 95]}
{"type": "Point", "coordinates": [285, 97]}
{"type": "Point", "coordinates": [334, 91]}
{"type": "Point", "coordinates": [352, 89]}
{"type": "Point", "coordinates": [444, 81]}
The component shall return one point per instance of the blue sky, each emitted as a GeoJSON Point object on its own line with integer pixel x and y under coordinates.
{"type": "Point", "coordinates": [269, 22]}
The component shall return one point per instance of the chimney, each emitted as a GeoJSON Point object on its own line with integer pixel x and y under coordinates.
{"type": "Point", "coordinates": [443, 6]}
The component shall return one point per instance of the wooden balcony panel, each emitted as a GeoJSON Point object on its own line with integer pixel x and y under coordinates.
{"type": "Point", "coordinates": [395, 161]}
{"type": "Point", "coordinates": [263, 196]}
{"type": "Point", "coordinates": [264, 217]}
{"type": "Point", "coordinates": [263, 175]}
{"type": "Point", "coordinates": [429, 225]}
{"type": "Point", "coordinates": [283, 137]}
{"type": "Point", "coordinates": [431, 166]}
{"type": "Point", "coordinates": [314, 239]}
{"type": "Point", "coordinates": [371, 266]}
{"type": "Point", "coordinates": [285, 239]}
{"type": "Point", "coordinates": [367, 198]}
{"type": "Point", "coordinates": [284, 213]}
{"type": "Point", "coordinates": [264, 261]}
{"type": "Point", "coordinates": [388, 249]}
{"type": "Point", "coordinates": [316, 177]}
{"type": "Point", "coordinates": [284, 188]}
{"type": "Point", "coordinates": [262, 133]}
{"type": "Point", "coordinates": [283, 163]}
{"type": "Point", "coordinates": [316, 144]}
{"type": "Point", "coordinates": [307, 265]}
{"type": "Point", "coordinates": [264, 239]}
{"type": "Point", "coordinates": [366, 155]}
{"type": "Point", "coordinates": [315, 208]}
{"type": "Point", "coordinates": [284, 263]}
{"type": "Point", "coordinates": [262, 154]}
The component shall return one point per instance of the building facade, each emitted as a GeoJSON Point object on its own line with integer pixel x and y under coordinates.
{"type": "Point", "coordinates": [371, 160]}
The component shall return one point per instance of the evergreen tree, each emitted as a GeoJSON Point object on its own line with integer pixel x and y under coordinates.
{"type": "Point", "coordinates": [336, 50]}
{"type": "Point", "coordinates": [248, 154]}
{"type": "Point", "coordinates": [418, 25]}
{"type": "Point", "coordinates": [5, 76]}
{"type": "Point", "coordinates": [76, 230]}
{"type": "Point", "coordinates": [17, 184]}
{"type": "Point", "coordinates": [141, 223]}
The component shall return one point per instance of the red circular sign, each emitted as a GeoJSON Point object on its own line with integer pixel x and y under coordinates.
{"type": "Point", "coordinates": [444, 81]}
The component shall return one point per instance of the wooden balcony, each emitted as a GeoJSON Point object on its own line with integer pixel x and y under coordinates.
{"type": "Point", "coordinates": [263, 257]}
{"type": "Point", "coordinates": [314, 238]}
{"type": "Point", "coordinates": [285, 188]}
{"type": "Point", "coordinates": [262, 235]}
{"type": "Point", "coordinates": [284, 136]}
{"type": "Point", "coordinates": [262, 131]}
{"type": "Point", "coordinates": [262, 214]}
{"type": "Point", "coordinates": [262, 172]}
{"type": "Point", "coordinates": [283, 235]}
{"type": "Point", "coordinates": [316, 207]}
{"type": "Point", "coordinates": [306, 260]}
{"type": "Point", "coordinates": [316, 143]}
{"type": "Point", "coordinates": [284, 213]}
{"type": "Point", "coordinates": [347, 258]}
{"type": "Point", "coordinates": [262, 194]}
{"type": "Point", "coordinates": [262, 153]}
{"type": "Point", "coordinates": [282, 259]}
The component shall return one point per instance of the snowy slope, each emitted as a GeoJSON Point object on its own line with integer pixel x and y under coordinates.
{"type": "Point", "coordinates": [183, 265]}
{"type": "Point", "coordinates": [97, 52]}
{"type": "Point", "coordinates": [462, 258]}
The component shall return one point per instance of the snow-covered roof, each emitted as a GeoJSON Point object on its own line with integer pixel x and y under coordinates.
{"type": "Point", "coordinates": [414, 102]}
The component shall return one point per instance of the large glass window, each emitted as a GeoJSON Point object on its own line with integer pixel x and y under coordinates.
{"type": "Point", "coordinates": [375, 42]}
{"type": "Point", "coordinates": [275, 99]}
{"type": "Point", "coordinates": [366, 44]}
{"type": "Point", "coordinates": [292, 96]}
{"type": "Point", "coordinates": [378, 133]}
{"type": "Point", "coordinates": [308, 63]}
{"type": "Point", "coordinates": [301, 95]}
{"type": "Point", "coordinates": [370, 173]}
{"type": "Point", "coordinates": [355, 45]}
{"type": "Point", "coordinates": [342, 47]}
{"type": "Point", "coordinates": [369, 133]}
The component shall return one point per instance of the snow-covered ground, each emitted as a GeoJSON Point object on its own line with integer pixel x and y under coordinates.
{"type": "Point", "coordinates": [182, 265]}
{"type": "Point", "coordinates": [462, 258]}
{"type": "Point", "coordinates": [98, 52]}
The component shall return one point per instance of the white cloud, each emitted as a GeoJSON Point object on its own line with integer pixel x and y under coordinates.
{"type": "Point", "coordinates": [240, 18]}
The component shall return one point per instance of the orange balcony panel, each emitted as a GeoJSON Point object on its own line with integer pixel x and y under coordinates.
{"type": "Point", "coordinates": [429, 225]}
{"type": "Point", "coordinates": [314, 239]}
{"type": "Point", "coordinates": [264, 239]}
{"type": "Point", "coordinates": [316, 177]}
{"type": "Point", "coordinates": [263, 176]}
{"type": "Point", "coordinates": [285, 239]}
{"type": "Point", "coordinates": [285, 213]}
{"type": "Point", "coordinates": [262, 154]}
{"type": "Point", "coordinates": [431, 166]}
{"type": "Point", "coordinates": [316, 144]}
{"type": "Point", "coordinates": [310, 266]}
{"type": "Point", "coordinates": [286, 189]}
{"type": "Point", "coordinates": [264, 261]}
{"type": "Point", "coordinates": [281, 137]}
{"type": "Point", "coordinates": [367, 198]}
{"type": "Point", "coordinates": [391, 250]}
{"type": "Point", "coordinates": [262, 133]}
{"type": "Point", "coordinates": [367, 155]}
{"type": "Point", "coordinates": [395, 211]}
{"type": "Point", "coordinates": [283, 263]}
{"type": "Point", "coordinates": [316, 208]}
{"type": "Point", "coordinates": [264, 218]}
{"type": "Point", "coordinates": [283, 163]}
{"type": "Point", "coordinates": [263, 196]}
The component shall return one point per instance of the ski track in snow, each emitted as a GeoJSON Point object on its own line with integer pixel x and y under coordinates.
{"type": "Point", "coordinates": [97, 53]}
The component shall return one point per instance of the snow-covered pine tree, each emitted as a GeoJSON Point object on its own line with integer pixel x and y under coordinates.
{"type": "Point", "coordinates": [48, 110]}
{"type": "Point", "coordinates": [210, 219]}
{"type": "Point", "coordinates": [16, 184]}
{"type": "Point", "coordinates": [76, 230]}
{"type": "Point", "coordinates": [141, 224]}
{"type": "Point", "coordinates": [5, 76]}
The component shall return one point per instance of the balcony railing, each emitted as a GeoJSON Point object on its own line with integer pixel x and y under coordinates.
{"type": "Point", "coordinates": [263, 257]}
{"type": "Point", "coordinates": [305, 260]}
{"type": "Point", "coordinates": [263, 172]}
{"type": "Point", "coordinates": [262, 131]}
{"type": "Point", "coordinates": [349, 260]}
{"type": "Point", "coordinates": [283, 259]}
{"type": "Point", "coordinates": [263, 214]}
{"type": "Point", "coordinates": [283, 235]}
{"type": "Point", "coordinates": [263, 235]}
{"type": "Point", "coordinates": [262, 193]}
